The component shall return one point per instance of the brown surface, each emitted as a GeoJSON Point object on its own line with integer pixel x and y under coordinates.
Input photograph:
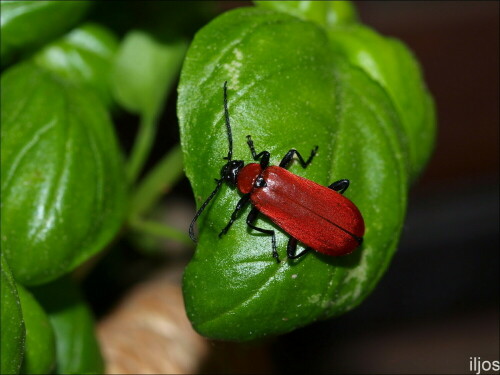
{"type": "Point", "coordinates": [149, 333]}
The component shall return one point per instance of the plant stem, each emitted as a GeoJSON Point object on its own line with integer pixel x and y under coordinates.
{"type": "Point", "coordinates": [160, 230]}
{"type": "Point", "coordinates": [142, 146]}
{"type": "Point", "coordinates": [157, 182]}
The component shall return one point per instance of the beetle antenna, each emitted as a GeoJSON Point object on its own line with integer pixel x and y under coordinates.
{"type": "Point", "coordinates": [228, 125]}
{"type": "Point", "coordinates": [198, 213]}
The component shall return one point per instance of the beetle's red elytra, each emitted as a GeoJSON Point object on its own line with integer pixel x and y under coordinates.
{"type": "Point", "coordinates": [319, 217]}
{"type": "Point", "coordinates": [309, 212]}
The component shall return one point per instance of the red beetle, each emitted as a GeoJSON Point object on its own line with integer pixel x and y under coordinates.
{"type": "Point", "coordinates": [320, 217]}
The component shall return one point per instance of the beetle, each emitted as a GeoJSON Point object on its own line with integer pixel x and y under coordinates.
{"type": "Point", "coordinates": [319, 217]}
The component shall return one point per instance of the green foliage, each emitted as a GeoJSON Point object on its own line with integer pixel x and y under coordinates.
{"type": "Point", "coordinates": [288, 88]}
{"type": "Point", "coordinates": [26, 25]}
{"type": "Point", "coordinates": [324, 13]}
{"type": "Point", "coordinates": [65, 194]}
{"type": "Point", "coordinates": [12, 330]}
{"type": "Point", "coordinates": [391, 64]}
{"type": "Point", "coordinates": [77, 349]}
{"type": "Point", "coordinates": [40, 350]}
{"type": "Point", "coordinates": [63, 185]}
{"type": "Point", "coordinates": [386, 60]}
{"type": "Point", "coordinates": [299, 74]}
{"type": "Point", "coordinates": [144, 70]}
{"type": "Point", "coordinates": [143, 73]}
{"type": "Point", "coordinates": [84, 57]}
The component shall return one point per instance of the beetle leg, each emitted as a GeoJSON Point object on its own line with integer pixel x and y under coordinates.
{"type": "Point", "coordinates": [252, 216]}
{"type": "Point", "coordinates": [241, 203]}
{"type": "Point", "coordinates": [340, 186]}
{"type": "Point", "coordinates": [291, 249]}
{"type": "Point", "coordinates": [287, 159]}
{"type": "Point", "coordinates": [264, 155]}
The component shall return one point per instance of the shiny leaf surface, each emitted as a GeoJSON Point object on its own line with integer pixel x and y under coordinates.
{"type": "Point", "coordinates": [63, 184]}
{"type": "Point", "coordinates": [84, 57]}
{"type": "Point", "coordinates": [25, 25]}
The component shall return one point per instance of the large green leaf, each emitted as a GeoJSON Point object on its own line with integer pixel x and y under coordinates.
{"type": "Point", "coordinates": [288, 90]}
{"type": "Point", "coordinates": [77, 348]}
{"type": "Point", "coordinates": [40, 351]}
{"type": "Point", "coordinates": [25, 25]}
{"type": "Point", "coordinates": [63, 184]}
{"type": "Point", "coordinates": [84, 56]}
{"type": "Point", "coordinates": [12, 330]}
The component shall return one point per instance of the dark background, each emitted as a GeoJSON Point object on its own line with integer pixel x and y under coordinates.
{"type": "Point", "coordinates": [438, 303]}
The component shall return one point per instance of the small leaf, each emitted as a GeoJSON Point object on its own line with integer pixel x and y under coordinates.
{"type": "Point", "coordinates": [324, 13]}
{"type": "Point", "coordinates": [12, 330]}
{"type": "Point", "coordinates": [63, 183]}
{"type": "Point", "coordinates": [288, 90]}
{"type": "Point", "coordinates": [77, 347]}
{"type": "Point", "coordinates": [40, 351]}
{"type": "Point", "coordinates": [391, 64]}
{"type": "Point", "coordinates": [144, 71]}
{"type": "Point", "coordinates": [84, 56]}
{"type": "Point", "coordinates": [26, 25]}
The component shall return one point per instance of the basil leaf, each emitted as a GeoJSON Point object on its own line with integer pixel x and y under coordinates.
{"type": "Point", "coordinates": [143, 72]}
{"type": "Point", "coordinates": [288, 90]}
{"type": "Point", "coordinates": [63, 184]}
{"type": "Point", "coordinates": [77, 348]}
{"type": "Point", "coordinates": [12, 330]}
{"type": "Point", "coordinates": [84, 56]}
{"type": "Point", "coordinates": [324, 13]}
{"type": "Point", "coordinates": [40, 350]}
{"type": "Point", "coordinates": [26, 25]}
{"type": "Point", "coordinates": [387, 60]}
{"type": "Point", "coordinates": [391, 64]}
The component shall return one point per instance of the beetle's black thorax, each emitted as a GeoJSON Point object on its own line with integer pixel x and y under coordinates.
{"type": "Point", "coordinates": [230, 171]}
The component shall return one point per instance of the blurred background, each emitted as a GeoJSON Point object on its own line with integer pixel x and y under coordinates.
{"type": "Point", "coordinates": [438, 304]}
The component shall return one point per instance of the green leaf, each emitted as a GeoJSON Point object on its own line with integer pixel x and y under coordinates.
{"type": "Point", "coordinates": [25, 25]}
{"type": "Point", "coordinates": [40, 351]}
{"type": "Point", "coordinates": [63, 184]}
{"type": "Point", "coordinates": [391, 64]}
{"type": "Point", "coordinates": [288, 90]}
{"type": "Point", "coordinates": [77, 348]}
{"type": "Point", "coordinates": [324, 13]}
{"type": "Point", "coordinates": [144, 71]}
{"type": "Point", "coordinates": [84, 56]}
{"type": "Point", "coordinates": [12, 330]}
